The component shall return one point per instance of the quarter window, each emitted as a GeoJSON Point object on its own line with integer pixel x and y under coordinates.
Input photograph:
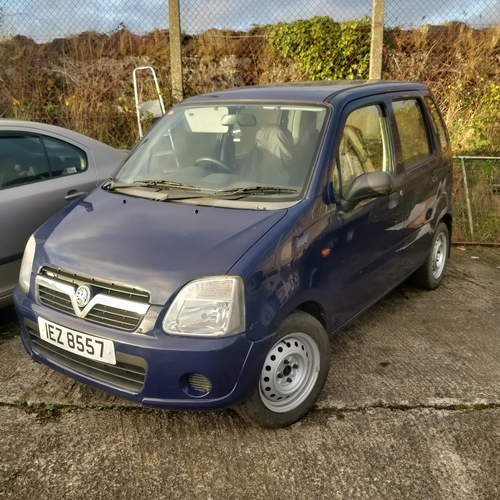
{"type": "Point", "coordinates": [415, 145]}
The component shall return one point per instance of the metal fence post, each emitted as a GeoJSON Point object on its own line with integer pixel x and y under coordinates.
{"type": "Point", "coordinates": [377, 40]}
{"type": "Point", "coordinates": [467, 199]}
{"type": "Point", "coordinates": [175, 50]}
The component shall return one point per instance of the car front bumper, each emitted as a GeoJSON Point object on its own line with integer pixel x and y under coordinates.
{"type": "Point", "coordinates": [153, 369]}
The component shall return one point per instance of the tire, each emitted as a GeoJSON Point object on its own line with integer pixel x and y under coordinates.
{"type": "Point", "coordinates": [294, 373]}
{"type": "Point", "coordinates": [430, 273]}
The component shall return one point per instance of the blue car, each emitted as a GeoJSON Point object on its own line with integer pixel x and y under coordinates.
{"type": "Point", "coordinates": [246, 227]}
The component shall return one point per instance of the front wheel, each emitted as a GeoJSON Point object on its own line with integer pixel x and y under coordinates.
{"type": "Point", "coordinates": [430, 273]}
{"type": "Point", "coordinates": [293, 375]}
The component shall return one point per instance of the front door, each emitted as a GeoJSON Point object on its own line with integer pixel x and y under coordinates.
{"type": "Point", "coordinates": [364, 257]}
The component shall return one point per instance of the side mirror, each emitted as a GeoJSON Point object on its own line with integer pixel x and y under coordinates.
{"type": "Point", "coordinates": [366, 186]}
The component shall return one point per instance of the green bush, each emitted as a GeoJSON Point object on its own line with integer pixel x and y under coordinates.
{"type": "Point", "coordinates": [324, 49]}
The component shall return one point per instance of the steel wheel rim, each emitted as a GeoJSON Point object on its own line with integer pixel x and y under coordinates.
{"type": "Point", "coordinates": [289, 373]}
{"type": "Point", "coordinates": [439, 255]}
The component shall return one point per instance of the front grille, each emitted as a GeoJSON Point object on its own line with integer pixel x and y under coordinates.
{"type": "Point", "coordinates": [105, 314]}
{"type": "Point", "coordinates": [111, 289]}
{"type": "Point", "coordinates": [128, 374]}
{"type": "Point", "coordinates": [112, 316]}
{"type": "Point", "coordinates": [56, 300]}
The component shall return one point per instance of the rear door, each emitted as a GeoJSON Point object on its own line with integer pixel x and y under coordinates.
{"type": "Point", "coordinates": [423, 174]}
{"type": "Point", "coordinates": [37, 175]}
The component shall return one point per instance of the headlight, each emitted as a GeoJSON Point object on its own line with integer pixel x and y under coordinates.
{"type": "Point", "coordinates": [209, 307]}
{"type": "Point", "coordinates": [25, 273]}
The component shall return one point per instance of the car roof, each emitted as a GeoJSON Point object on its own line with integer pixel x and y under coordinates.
{"type": "Point", "coordinates": [318, 91]}
{"type": "Point", "coordinates": [8, 124]}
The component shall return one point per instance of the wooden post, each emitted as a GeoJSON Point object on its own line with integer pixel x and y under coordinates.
{"type": "Point", "coordinates": [175, 50]}
{"type": "Point", "coordinates": [377, 40]}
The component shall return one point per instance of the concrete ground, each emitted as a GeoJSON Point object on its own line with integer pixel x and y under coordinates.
{"type": "Point", "coordinates": [411, 410]}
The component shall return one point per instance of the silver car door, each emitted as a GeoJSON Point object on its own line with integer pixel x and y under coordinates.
{"type": "Point", "coordinates": [39, 175]}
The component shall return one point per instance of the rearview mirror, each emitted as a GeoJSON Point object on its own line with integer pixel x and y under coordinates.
{"type": "Point", "coordinates": [366, 186]}
{"type": "Point", "coordinates": [243, 120]}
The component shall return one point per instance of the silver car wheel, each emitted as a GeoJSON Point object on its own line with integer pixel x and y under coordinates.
{"type": "Point", "coordinates": [289, 373]}
{"type": "Point", "coordinates": [439, 253]}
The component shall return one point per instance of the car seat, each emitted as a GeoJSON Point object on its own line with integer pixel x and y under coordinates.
{"type": "Point", "coordinates": [353, 158]}
{"type": "Point", "coordinates": [12, 171]}
{"type": "Point", "coordinates": [270, 159]}
{"type": "Point", "coordinates": [38, 168]}
{"type": "Point", "coordinates": [305, 147]}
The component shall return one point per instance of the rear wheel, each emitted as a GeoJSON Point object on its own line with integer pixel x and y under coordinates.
{"type": "Point", "coordinates": [430, 273]}
{"type": "Point", "coordinates": [293, 375]}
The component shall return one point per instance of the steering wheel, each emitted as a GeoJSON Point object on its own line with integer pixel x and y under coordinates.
{"type": "Point", "coordinates": [219, 163]}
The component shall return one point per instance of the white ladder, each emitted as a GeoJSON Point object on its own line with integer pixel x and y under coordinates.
{"type": "Point", "coordinates": [156, 108]}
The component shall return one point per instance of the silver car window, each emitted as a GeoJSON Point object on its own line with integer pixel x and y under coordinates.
{"type": "Point", "coordinates": [22, 160]}
{"type": "Point", "coordinates": [64, 158]}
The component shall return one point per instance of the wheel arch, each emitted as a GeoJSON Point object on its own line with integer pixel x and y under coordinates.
{"type": "Point", "coordinates": [315, 309]}
{"type": "Point", "coordinates": [448, 220]}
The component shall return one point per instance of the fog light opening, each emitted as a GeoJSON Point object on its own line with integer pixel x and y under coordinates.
{"type": "Point", "coordinates": [195, 385]}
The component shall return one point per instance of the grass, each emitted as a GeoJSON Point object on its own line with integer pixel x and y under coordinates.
{"type": "Point", "coordinates": [47, 411]}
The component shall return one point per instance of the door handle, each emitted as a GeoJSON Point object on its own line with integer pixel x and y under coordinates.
{"type": "Point", "coordinates": [394, 199]}
{"type": "Point", "coordinates": [73, 194]}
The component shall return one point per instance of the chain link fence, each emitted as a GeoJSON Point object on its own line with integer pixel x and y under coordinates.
{"type": "Point", "coordinates": [476, 199]}
{"type": "Point", "coordinates": [260, 42]}
{"type": "Point", "coordinates": [70, 63]}
{"type": "Point", "coordinates": [455, 48]}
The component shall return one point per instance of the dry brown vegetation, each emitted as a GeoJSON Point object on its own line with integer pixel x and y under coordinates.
{"type": "Point", "coordinates": [85, 82]}
{"type": "Point", "coordinates": [462, 66]}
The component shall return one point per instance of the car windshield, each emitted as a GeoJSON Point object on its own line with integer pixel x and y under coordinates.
{"type": "Point", "coordinates": [228, 147]}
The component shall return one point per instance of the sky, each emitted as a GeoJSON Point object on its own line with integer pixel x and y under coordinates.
{"type": "Point", "coordinates": [44, 20]}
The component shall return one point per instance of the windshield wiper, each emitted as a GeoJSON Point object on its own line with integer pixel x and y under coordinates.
{"type": "Point", "coordinates": [151, 183]}
{"type": "Point", "coordinates": [256, 190]}
{"type": "Point", "coordinates": [200, 193]}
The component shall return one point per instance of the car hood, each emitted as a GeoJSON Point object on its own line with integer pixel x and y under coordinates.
{"type": "Point", "coordinates": [151, 245]}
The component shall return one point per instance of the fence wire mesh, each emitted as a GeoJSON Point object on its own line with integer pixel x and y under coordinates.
{"type": "Point", "coordinates": [476, 200]}
{"type": "Point", "coordinates": [246, 43]}
{"type": "Point", "coordinates": [454, 46]}
{"type": "Point", "coordinates": [70, 63]}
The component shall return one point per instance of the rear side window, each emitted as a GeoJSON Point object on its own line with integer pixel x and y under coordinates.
{"type": "Point", "coordinates": [438, 124]}
{"type": "Point", "coordinates": [31, 158]}
{"type": "Point", "coordinates": [413, 134]}
{"type": "Point", "coordinates": [64, 158]}
{"type": "Point", "coordinates": [22, 160]}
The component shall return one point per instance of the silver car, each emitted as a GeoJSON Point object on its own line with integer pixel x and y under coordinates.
{"type": "Point", "coordinates": [42, 168]}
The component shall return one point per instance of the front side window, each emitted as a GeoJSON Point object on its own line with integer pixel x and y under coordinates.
{"type": "Point", "coordinates": [22, 160]}
{"type": "Point", "coordinates": [228, 146]}
{"type": "Point", "coordinates": [415, 144]}
{"type": "Point", "coordinates": [364, 146]}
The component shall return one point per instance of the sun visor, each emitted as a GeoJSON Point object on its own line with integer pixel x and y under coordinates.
{"type": "Point", "coordinates": [206, 120]}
